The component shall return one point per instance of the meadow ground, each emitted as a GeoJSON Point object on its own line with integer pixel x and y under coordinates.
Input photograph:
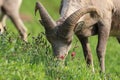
{"type": "Point", "coordinates": [34, 60]}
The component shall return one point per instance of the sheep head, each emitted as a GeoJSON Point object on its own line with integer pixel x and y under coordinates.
{"type": "Point", "coordinates": [60, 33]}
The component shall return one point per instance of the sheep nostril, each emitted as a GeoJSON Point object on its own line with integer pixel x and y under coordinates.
{"type": "Point", "coordinates": [0, 30]}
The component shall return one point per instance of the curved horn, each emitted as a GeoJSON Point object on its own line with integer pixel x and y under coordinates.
{"type": "Point", "coordinates": [66, 29]}
{"type": "Point", "coordinates": [46, 21]}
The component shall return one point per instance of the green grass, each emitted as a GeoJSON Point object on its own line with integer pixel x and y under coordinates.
{"type": "Point", "coordinates": [34, 60]}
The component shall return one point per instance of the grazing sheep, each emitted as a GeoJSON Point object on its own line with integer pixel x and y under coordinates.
{"type": "Point", "coordinates": [10, 8]}
{"type": "Point", "coordinates": [84, 18]}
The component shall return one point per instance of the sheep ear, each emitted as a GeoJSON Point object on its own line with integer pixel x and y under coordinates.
{"type": "Point", "coordinates": [79, 26]}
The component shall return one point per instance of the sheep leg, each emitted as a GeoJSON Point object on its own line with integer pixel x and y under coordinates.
{"type": "Point", "coordinates": [87, 51]}
{"type": "Point", "coordinates": [13, 12]}
{"type": "Point", "coordinates": [19, 25]}
{"type": "Point", "coordinates": [2, 22]}
{"type": "Point", "coordinates": [103, 35]}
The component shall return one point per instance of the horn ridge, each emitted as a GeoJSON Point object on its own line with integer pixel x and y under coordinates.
{"type": "Point", "coordinates": [73, 18]}
{"type": "Point", "coordinates": [68, 25]}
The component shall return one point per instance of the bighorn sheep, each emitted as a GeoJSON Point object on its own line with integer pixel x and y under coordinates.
{"type": "Point", "coordinates": [84, 18]}
{"type": "Point", "coordinates": [11, 8]}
